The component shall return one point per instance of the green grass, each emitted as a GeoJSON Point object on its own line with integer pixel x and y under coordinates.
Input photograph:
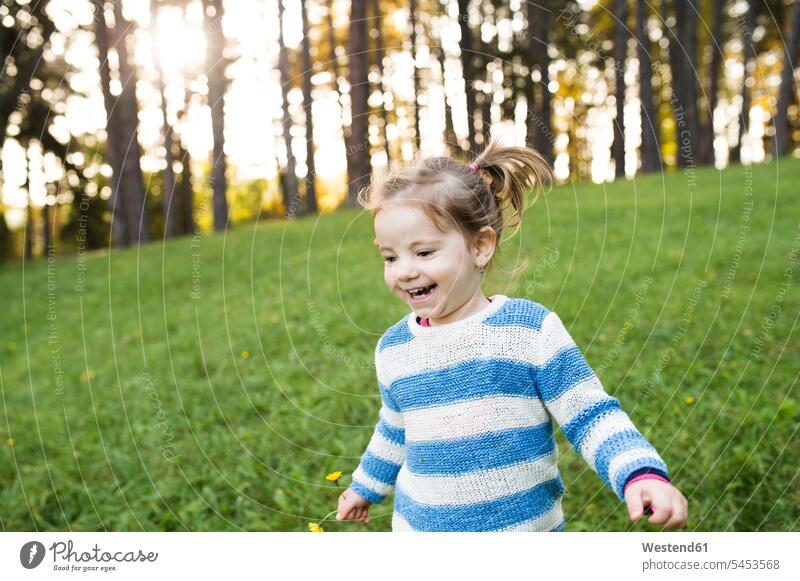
{"type": "Point", "coordinates": [160, 423]}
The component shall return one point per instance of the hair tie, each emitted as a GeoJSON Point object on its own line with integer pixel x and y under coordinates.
{"type": "Point", "coordinates": [474, 167]}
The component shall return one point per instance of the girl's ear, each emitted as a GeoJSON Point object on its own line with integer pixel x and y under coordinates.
{"type": "Point", "coordinates": [485, 244]}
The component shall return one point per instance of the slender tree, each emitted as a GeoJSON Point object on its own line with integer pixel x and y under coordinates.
{"type": "Point", "coordinates": [186, 187]}
{"type": "Point", "coordinates": [412, 11]}
{"type": "Point", "coordinates": [6, 239]}
{"type": "Point", "coordinates": [649, 119]}
{"type": "Point", "coordinates": [788, 90]}
{"type": "Point", "coordinates": [171, 206]}
{"type": "Point", "coordinates": [683, 59]}
{"type": "Point", "coordinates": [131, 180]}
{"type": "Point", "coordinates": [334, 62]}
{"type": "Point", "coordinates": [47, 228]}
{"type": "Point", "coordinates": [119, 221]}
{"type": "Point", "coordinates": [358, 150]}
{"type": "Point", "coordinates": [539, 120]}
{"type": "Point", "coordinates": [216, 64]}
{"type": "Point", "coordinates": [747, 40]}
{"type": "Point", "coordinates": [377, 20]}
{"type": "Point", "coordinates": [127, 201]}
{"type": "Point", "coordinates": [467, 70]}
{"type": "Point", "coordinates": [450, 137]}
{"type": "Point", "coordinates": [486, 95]}
{"type": "Point", "coordinates": [707, 125]}
{"type": "Point", "coordinates": [311, 190]}
{"type": "Point", "coordinates": [620, 50]}
{"type": "Point", "coordinates": [29, 227]}
{"type": "Point", "coordinates": [289, 174]}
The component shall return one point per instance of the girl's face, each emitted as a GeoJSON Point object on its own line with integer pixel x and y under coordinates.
{"type": "Point", "coordinates": [437, 274]}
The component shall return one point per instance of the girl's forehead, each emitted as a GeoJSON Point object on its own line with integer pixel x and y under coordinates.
{"type": "Point", "coordinates": [408, 226]}
{"type": "Point", "coordinates": [404, 221]}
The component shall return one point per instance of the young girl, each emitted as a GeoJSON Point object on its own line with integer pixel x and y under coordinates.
{"type": "Point", "coordinates": [470, 384]}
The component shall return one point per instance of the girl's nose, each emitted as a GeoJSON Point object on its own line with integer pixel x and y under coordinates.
{"type": "Point", "coordinates": [407, 270]}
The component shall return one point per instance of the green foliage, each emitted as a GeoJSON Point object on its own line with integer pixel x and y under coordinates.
{"type": "Point", "coordinates": [211, 383]}
{"type": "Point", "coordinates": [88, 223]}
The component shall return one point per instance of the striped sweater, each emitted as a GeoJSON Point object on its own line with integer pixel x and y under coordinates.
{"type": "Point", "coordinates": [465, 433]}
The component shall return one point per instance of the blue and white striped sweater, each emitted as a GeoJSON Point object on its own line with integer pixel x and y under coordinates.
{"type": "Point", "coordinates": [465, 434]}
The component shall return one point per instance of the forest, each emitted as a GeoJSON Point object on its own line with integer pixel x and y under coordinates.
{"type": "Point", "coordinates": [138, 120]}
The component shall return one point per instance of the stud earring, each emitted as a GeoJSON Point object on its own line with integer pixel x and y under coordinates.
{"type": "Point", "coordinates": [483, 269]}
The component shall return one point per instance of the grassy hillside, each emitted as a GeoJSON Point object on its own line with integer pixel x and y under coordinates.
{"type": "Point", "coordinates": [211, 383]}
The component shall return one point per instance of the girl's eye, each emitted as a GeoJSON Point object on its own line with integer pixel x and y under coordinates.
{"type": "Point", "coordinates": [426, 252]}
{"type": "Point", "coordinates": [388, 259]}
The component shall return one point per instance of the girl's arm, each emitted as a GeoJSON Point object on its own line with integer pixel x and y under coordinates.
{"type": "Point", "coordinates": [592, 420]}
{"type": "Point", "coordinates": [376, 474]}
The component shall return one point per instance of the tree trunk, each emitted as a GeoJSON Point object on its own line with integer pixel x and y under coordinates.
{"type": "Point", "coordinates": [415, 104]}
{"type": "Point", "coordinates": [114, 143]}
{"type": "Point", "coordinates": [6, 240]}
{"type": "Point", "coordinates": [28, 248]}
{"type": "Point", "coordinates": [707, 127]}
{"type": "Point", "coordinates": [467, 54]}
{"type": "Point", "coordinates": [379, 54]}
{"type": "Point", "coordinates": [747, 50]}
{"type": "Point", "coordinates": [683, 58]}
{"type": "Point", "coordinates": [788, 89]}
{"type": "Point", "coordinates": [311, 190]}
{"type": "Point", "coordinates": [539, 126]}
{"type": "Point", "coordinates": [291, 197]}
{"type": "Point", "coordinates": [186, 192]}
{"type": "Point", "coordinates": [216, 63]}
{"type": "Point", "coordinates": [171, 205]}
{"type": "Point", "coordinates": [337, 74]}
{"type": "Point", "coordinates": [487, 94]}
{"type": "Point", "coordinates": [450, 138]}
{"type": "Point", "coordinates": [127, 110]}
{"type": "Point", "coordinates": [650, 154]}
{"type": "Point", "coordinates": [620, 51]}
{"type": "Point", "coordinates": [46, 230]}
{"type": "Point", "coordinates": [187, 187]}
{"type": "Point", "coordinates": [358, 150]}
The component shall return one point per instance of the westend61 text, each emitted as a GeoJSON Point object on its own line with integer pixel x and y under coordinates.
{"type": "Point", "coordinates": [64, 550]}
{"type": "Point", "coordinates": [673, 548]}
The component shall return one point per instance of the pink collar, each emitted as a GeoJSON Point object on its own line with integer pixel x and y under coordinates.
{"type": "Point", "coordinates": [425, 323]}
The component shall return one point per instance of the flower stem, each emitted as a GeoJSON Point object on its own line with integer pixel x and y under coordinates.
{"type": "Point", "coordinates": [327, 516]}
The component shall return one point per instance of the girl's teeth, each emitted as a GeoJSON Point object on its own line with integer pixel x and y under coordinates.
{"type": "Point", "coordinates": [425, 291]}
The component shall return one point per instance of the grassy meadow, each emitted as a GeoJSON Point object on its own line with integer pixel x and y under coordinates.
{"type": "Point", "coordinates": [211, 383]}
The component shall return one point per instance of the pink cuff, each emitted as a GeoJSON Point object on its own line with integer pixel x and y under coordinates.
{"type": "Point", "coordinates": [645, 477]}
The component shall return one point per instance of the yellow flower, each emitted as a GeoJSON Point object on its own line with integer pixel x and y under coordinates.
{"type": "Point", "coordinates": [137, 333]}
{"type": "Point", "coordinates": [87, 375]}
{"type": "Point", "coordinates": [689, 400]}
{"type": "Point", "coordinates": [315, 528]}
{"type": "Point", "coordinates": [11, 441]}
{"type": "Point", "coordinates": [274, 318]}
{"type": "Point", "coordinates": [245, 354]}
{"type": "Point", "coordinates": [334, 476]}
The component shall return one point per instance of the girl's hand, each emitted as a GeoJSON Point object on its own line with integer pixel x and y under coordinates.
{"type": "Point", "coordinates": [353, 507]}
{"type": "Point", "coordinates": [669, 506]}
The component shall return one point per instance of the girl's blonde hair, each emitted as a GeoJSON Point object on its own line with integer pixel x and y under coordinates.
{"type": "Point", "coordinates": [489, 191]}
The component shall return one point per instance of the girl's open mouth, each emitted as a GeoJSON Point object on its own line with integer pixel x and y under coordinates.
{"type": "Point", "coordinates": [422, 294]}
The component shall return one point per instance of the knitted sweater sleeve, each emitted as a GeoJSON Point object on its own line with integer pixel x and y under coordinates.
{"type": "Point", "coordinates": [592, 420]}
{"type": "Point", "coordinates": [376, 474]}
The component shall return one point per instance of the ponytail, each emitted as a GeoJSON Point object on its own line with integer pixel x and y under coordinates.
{"type": "Point", "coordinates": [511, 172]}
